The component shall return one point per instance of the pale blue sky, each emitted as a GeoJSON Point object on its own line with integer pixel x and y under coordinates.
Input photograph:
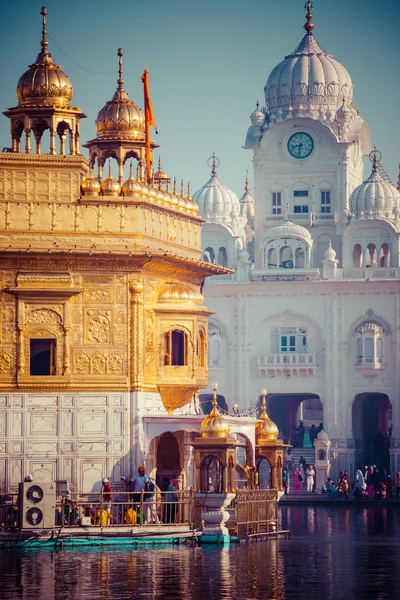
{"type": "Point", "coordinates": [208, 63]}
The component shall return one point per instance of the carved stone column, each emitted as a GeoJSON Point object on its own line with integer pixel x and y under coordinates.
{"type": "Point", "coordinates": [136, 334]}
{"type": "Point", "coordinates": [21, 349]}
{"type": "Point", "coordinates": [67, 358]}
{"type": "Point", "coordinates": [21, 345]}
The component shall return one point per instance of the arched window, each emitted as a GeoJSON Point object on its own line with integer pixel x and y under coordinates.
{"type": "Point", "coordinates": [175, 343]}
{"type": "Point", "coordinates": [370, 256]}
{"type": "Point", "coordinates": [368, 350]}
{"type": "Point", "coordinates": [222, 257]}
{"type": "Point", "coordinates": [369, 344]}
{"type": "Point", "coordinates": [299, 261]}
{"type": "Point", "coordinates": [286, 257]}
{"type": "Point", "coordinates": [209, 255]}
{"type": "Point", "coordinates": [211, 475]}
{"type": "Point", "coordinates": [215, 352]}
{"type": "Point", "coordinates": [384, 256]}
{"type": "Point", "coordinates": [271, 260]}
{"type": "Point", "coordinates": [357, 256]}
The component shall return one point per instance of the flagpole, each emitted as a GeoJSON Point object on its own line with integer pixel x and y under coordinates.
{"type": "Point", "coordinates": [149, 120]}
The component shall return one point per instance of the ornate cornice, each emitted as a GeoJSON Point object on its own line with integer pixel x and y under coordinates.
{"type": "Point", "coordinates": [31, 161]}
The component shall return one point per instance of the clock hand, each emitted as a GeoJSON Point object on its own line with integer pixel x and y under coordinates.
{"type": "Point", "coordinates": [299, 147]}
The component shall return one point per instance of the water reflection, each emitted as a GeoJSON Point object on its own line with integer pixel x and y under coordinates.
{"type": "Point", "coordinates": [334, 553]}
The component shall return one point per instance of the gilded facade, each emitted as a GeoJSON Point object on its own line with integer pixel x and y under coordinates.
{"type": "Point", "coordinates": [102, 317]}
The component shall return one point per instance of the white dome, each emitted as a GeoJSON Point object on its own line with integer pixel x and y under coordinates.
{"type": "Point", "coordinates": [257, 117]}
{"type": "Point", "coordinates": [288, 230]}
{"type": "Point", "coordinates": [217, 203]}
{"type": "Point", "coordinates": [308, 77]}
{"type": "Point", "coordinates": [330, 253]}
{"type": "Point", "coordinates": [375, 197]}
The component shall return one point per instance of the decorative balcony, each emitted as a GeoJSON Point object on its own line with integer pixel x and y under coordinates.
{"type": "Point", "coordinates": [286, 364]}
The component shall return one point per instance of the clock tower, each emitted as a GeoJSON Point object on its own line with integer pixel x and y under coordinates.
{"type": "Point", "coordinates": [308, 143]}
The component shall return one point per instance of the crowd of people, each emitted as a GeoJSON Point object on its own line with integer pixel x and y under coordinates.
{"type": "Point", "coordinates": [145, 503]}
{"type": "Point", "coordinates": [370, 482]}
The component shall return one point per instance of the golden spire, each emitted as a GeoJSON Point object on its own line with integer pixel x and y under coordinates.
{"type": "Point", "coordinates": [44, 43]}
{"type": "Point", "coordinates": [266, 430]}
{"type": "Point", "coordinates": [214, 425]}
{"type": "Point", "coordinates": [309, 25]}
{"type": "Point", "coordinates": [175, 186]}
{"type": "Point", "coordinates": [120, 79]}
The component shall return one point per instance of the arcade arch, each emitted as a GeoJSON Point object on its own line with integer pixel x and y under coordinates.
{"type": "Point", "coordinates": [371, 418]}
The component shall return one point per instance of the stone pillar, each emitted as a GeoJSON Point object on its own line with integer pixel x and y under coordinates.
{"type": "Point", "coordinates": [136, 334]}
{"type": "Point", "coordinates": [214, 517]}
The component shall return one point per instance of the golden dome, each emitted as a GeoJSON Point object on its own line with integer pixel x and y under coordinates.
{"type": "Point", "coordinates": [110, 187]}
{"type": "Point", "coordinates": [44, 83]}
{"type": "Point", "coordinates": [120, 117]}
{"type": "Point", "coordinates": [214, 425]}
{"type": "Point", "coordinates": [176, 292]}
{"type": "Point", "coordinates": [90, 186]}
{"type": "Point", "coordinates": [266, 430]}
{"type": "Point", "coordinates": [159, 177]}
{"type": "Point", "coordinates": [131, 187]}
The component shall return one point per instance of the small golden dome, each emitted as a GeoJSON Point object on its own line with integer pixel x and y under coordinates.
{"type": "Point", "coordinates": [110, 187]}
{"type": "Point", "coordinates": [44, 83]}
{"type": "Point", "coordinates": [120, 117]}
{"type": "Point", "coordinates": [90, 186]}
{"type": "Point", "coordinates": [214, 425]}
{"type": "Point", "coordinates": [131, 187]}
{"type": "Point", "coordinates": [266, 430]}
{"type": "Point", "coordinates": [159, 177]}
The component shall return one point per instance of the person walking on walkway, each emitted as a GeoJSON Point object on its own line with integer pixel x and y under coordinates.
{"type": "Point", "coordinates": [297, 481]}
{"type": "Point", "coordinates": [285, 481]}
{"type": "Point", "coordinates": [310, 473]}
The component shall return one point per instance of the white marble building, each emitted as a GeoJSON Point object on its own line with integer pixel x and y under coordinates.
{"type": "Point", "coordinates": [312, 311]}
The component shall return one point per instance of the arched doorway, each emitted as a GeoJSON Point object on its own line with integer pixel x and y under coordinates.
{"type": "Point", "coordinates": [371, 426]}
{"type": "Point", "coordinates": [287, 410]}
{"type": "Point", "coordinates": [168, 458]}
{"type": "Point", "coordinates": [263, 470]}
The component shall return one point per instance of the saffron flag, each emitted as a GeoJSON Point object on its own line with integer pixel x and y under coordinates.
{"type": "Point", "coordinates": [147, 102]}
{"type": "Point", "coordinates": [149, 120]}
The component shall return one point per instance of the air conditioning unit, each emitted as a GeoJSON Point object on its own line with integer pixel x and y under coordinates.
{"type": "Point", "coordinates": [37, 505]}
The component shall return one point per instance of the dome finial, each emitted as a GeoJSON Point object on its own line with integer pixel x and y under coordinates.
{"type": "Point", "coordinates": [263, 404]}
{"type": "Point", "coordinates": [214, 164]}
{"type": "Point", "coordinates": [246, 185]}
{"type": "Point", "coordinates": [309, 25]}
{"type": "Point", "coordinates": [120, 79]}
{"type": "Point", "coordinates": [375, 157]}
{"type": "Point", "coordinates": [215, 391]}
{"type": "Point", "coordinates": [44, 43]}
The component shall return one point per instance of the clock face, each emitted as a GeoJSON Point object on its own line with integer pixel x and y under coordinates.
{"type": "Point", "coordinates": [300, 145]}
